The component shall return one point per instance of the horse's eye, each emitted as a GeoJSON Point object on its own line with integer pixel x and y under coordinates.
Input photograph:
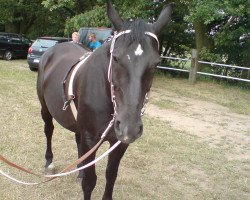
{"type": "Point", "coordinates": [151, 69]}
{"type": "Point", "coordinates": [115, 59]}
{"type": "Point", "coordinates": [157, 61]}
{"type": "Point", "coordinates": [116, 88]}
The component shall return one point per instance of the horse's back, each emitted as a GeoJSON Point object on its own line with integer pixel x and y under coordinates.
{"type": "Point", "coordinates": [53, 67]}
{"type": "Point", "coordinates": [60, 57]}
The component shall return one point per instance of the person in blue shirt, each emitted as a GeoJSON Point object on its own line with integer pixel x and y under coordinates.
{"type": "Point", "coordinates": [93, 44]}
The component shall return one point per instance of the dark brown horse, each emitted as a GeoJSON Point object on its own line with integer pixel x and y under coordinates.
{"type": "Point", "coordinates": [133, 59]}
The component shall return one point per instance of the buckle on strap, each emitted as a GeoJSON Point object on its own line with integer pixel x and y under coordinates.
{"type": "Point", "coordinates": [66, 103]}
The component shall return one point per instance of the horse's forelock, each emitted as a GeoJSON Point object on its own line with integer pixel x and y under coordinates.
{"type": "Point", "coordinates": [138, 29]}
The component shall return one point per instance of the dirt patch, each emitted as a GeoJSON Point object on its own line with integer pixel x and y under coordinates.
{"type": "Point", "coordinates": [211, 122]}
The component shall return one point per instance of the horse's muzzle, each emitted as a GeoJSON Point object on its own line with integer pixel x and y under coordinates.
{"type": "Point", "coordinates": [128, 132]}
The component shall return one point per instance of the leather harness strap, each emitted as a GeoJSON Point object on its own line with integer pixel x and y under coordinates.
{"type": "Point", "coordinates": [69, 167]}
{"type": "Point", "coordinates": [71, 95]}
{"type": "Point", "coordinates": [77, 64]}
{"type": "Point", "coordinates": [16, 166]}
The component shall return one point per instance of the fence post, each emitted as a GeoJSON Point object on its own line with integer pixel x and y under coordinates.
{"type": "Point", "coordinates": [194, 67]}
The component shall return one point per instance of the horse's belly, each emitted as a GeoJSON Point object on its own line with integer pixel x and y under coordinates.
{"type": "Point", "coordinates": [54, 66]}
{"type": "Point", "coordinates": [54, 101]}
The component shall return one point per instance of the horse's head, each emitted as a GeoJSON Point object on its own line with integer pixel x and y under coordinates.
{"type": "Point", "coordinates": [134, 59]}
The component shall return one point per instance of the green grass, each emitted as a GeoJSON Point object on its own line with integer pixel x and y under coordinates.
{"type": "Point", "coordinates": [163, 103]}
{"type": "Point", "coordinates": [163, 164]}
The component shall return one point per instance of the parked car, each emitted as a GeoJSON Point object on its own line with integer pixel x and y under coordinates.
{"type": "Point", "coordinates": [14, 45]}
{"type": "Point", "coordinates": [102, 34]}
{"type": "Point", "coordinates": [39, 47]}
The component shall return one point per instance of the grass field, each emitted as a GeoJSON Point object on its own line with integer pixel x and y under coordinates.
{"type": "Point", "coordinates": [164, 164]}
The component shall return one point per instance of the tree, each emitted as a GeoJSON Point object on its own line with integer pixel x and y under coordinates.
{"type": "Point", "coordinates": [30, 17]}
{"type": "Point", "coordinates": [93, 18]}
{"type": "Point", "coordinates": [71, 7]}
{"type": "Point", "coordinates": [96, 14]}
{"type": "Point", "coordinates": [175, 39]}
{"type": "Point", "coordinates": [171, 38]}
{"type": "Point", "coordinates": [219, 27]}
{"type": "Point", "coordinates": [19, 16]}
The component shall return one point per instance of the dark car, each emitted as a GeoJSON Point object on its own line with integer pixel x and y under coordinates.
{"type": "Point", "coordinates": [13, 45]}
{"type": "Point", "coordinates": [102, 34]}
{"type": "Point", "coordinates": [39, 47]}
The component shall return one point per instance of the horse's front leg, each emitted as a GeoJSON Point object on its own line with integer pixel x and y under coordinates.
{"type": "Point", "coordinates": [80, 153]}
{"type": "Point", "coordinates": [112, 169]}
{"type": "Point", "coordinates": [89, 174]}
{"type": "Point", "coordinates": [48, 130]}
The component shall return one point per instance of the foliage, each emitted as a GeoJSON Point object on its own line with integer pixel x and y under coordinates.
{"type": "Point", "coordinates": [97, 16]}
{"type": "Point", "coordinates": [206, 55]}
{"type": "Point", "coordinates": [204, 11]}
{"type": "Point", "coordinates": [232, 41]}
{"type": "Point", "coordinates": [93, 18]}
{"type": "Point", "coordinates": [227, 24]}
{"type": "Point", "coordinates": [176, 39]}
{"type": "Point", "coordinates": [224, 24]}
{"type": "Point", "coordinates": [19, 16]}
{"type": "Point", "coordinates": [54, 5]}
{"type": "Point", "coordinates": [132, 9]}
{"type": "Point", "coordinates": [26, 17]}
{"type": "Point", "coordinates": [71, 7]}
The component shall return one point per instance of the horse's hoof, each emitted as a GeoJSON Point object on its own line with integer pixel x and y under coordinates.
{"type": "Point", "coordinates": [50, 169]}
{"type": "Point", "coordinates": [80, 175]}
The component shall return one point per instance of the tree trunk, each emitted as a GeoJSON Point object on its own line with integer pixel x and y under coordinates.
{"type": "Point", "coordinates": [201, 38]}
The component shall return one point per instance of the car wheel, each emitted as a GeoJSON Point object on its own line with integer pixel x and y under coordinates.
{"type": "Point", "coordinates": [8, 55]}
{"type": "Point", "coordinates": [32, 68]}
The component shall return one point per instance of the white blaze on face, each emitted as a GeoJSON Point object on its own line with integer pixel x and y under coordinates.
{"type": "Point", "coordinates": [138, 50]}
{"type": "Point", "coordinates": [128, 57]}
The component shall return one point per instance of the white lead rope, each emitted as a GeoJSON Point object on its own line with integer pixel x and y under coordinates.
{"type": "Point", "coordinates": [87, 165]}
{"type": "Point", "coordinates": [66, 173]}
{"type": "Point", "coordinates": [15, 180]}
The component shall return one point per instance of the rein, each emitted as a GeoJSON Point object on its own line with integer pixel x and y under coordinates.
{"type": "Point", "coordinates": [70, 102]}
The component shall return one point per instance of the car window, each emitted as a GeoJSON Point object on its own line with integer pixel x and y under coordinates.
{"type": "Point", "coordinates": [3, 38]}
{"type": "Point", "coordinates": [16, 40]}
{"type": "Point", "coordinates": [101, 34]}
{"type": "Point", "coordinates": [44, 43]}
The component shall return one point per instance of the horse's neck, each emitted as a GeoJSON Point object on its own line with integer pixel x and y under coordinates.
{"type": "Point", "coordinates": [99, 62]}
{"type": "Point", "coordinates": [96, 73]}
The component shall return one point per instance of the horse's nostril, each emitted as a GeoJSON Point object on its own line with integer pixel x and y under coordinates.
{"type": "Point", "coordinates": [117, 125]}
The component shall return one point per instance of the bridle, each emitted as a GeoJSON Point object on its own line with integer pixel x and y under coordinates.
{"type": "Point", "coordinates": [67, 171]}
{"type": "Point", "coordinates": [113, 99]}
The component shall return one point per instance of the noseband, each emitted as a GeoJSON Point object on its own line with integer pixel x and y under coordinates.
{"type": "Point", "coordinates": [110, 70]}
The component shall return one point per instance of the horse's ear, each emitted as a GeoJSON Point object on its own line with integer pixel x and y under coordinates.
{"type": "Point", "coordinates": [163, 19]}
{"type": "Point", "coordinates": [114, 17]}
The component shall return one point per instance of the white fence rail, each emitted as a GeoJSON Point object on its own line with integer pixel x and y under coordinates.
{"type": "Point", "coordinates": [194, 64]}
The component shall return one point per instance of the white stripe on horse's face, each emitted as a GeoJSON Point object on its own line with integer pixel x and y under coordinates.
{"type": "Point", "coordinates": [128, 57]}
{"type": "Point", "coordinates": [138, 51]}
